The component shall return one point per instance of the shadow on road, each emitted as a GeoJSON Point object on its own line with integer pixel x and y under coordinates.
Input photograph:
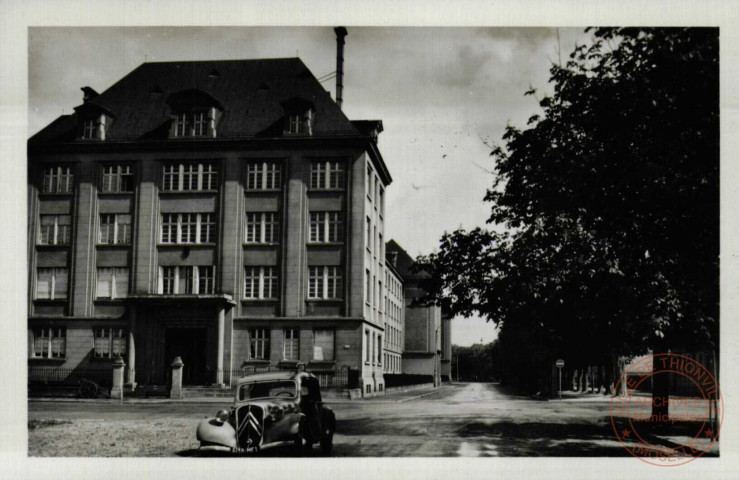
{"type": "Point", "coordinates": [278, 450]}
{"type": "Point", "coordinates": [545, 439]}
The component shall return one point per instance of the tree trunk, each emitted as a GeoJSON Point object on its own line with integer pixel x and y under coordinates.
{"type": "Point", "coordinates": [583, 380]}
{"type": "Point", "coordinates": [660, 397]}
{"type": "Point", "coordinates": [592, 369]}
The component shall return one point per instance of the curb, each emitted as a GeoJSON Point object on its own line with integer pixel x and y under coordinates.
{"type": "Point", "coordinates": [417, 397]}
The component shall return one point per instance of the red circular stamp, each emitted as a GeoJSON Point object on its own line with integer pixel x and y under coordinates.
{"type": "Point", "coordinates": [669, 410]}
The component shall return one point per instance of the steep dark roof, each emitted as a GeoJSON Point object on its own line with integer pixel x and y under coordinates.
{"type": "Point", "coordinates": [403, 261]}
{"type": "Point", "coordinates": [250, 91]}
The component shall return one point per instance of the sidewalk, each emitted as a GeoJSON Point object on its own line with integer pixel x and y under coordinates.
{"type": "Point", "coordinates": [392, 398]}
{"type": "Point", "coordinates": [570, 396]}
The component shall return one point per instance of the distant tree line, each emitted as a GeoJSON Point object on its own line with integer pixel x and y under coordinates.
{"type": "Point", "coordinates": [476, 363]}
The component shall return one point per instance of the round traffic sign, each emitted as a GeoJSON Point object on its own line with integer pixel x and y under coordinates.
{"type": "Point", "coordinates": [560, 363]}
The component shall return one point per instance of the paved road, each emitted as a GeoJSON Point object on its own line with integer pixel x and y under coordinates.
{"type": "Point", "coordinates": [472, 419]}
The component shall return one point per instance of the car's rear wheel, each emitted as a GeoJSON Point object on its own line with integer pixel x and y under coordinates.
{"type": "Point", "coordinates": [88, 389]}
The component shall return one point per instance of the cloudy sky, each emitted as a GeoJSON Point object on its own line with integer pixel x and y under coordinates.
{"type": "Point", "coordinates": [442, 93]}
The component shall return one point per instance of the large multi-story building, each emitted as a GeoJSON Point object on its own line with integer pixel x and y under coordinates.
{"type": "Point", "coordinates": [394, 319]}
{"type": "Point", "coordinates": [423, 332]}
{"type": "Point", "coordinates": [224, 212]}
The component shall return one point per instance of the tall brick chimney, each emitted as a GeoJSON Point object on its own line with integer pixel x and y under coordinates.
{"type": "Point", "coordinates": [340, 34]}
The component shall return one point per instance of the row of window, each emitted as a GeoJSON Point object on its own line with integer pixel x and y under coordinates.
{"type": "Point", "coordinates": [197, 122]}
{"type": "Point", "coordinates": [374, 240]}
{"type": "Point", "coordinates": [188, 228]}
{"type": "Point", "coordinates": [393, 285]}
{"type": "Point", "coordinates": [393, 310]}
{"type": "Point", "coordinates": [262, 283]}
{"type": "Point", "coordinates": [191, 124]}
{"type": "Point", "coordinates": [374, 291]}
{"type": "Point", "coordinates": [323, 344]}
{"type": "Point", "coordinates": [187, 280]}
{"type": "Point", "coordinates": [375, 190]}
{"type": "Point", "coordinates": [51, 342]}
{"type": "Point", "coordinates": [393, 334]}
{"type": "Point", "coordinates": [191, 228]}
{"type": "Point", "coordinates": [187, 177]}
{"type": "Point", "coordinates": [372, 348]}
{"type": "Point", "coordinates": [392, 363]}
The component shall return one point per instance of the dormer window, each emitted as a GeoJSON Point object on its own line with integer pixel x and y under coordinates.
{"type": "Point", "coordinates": [194, 114]}
{"type": "Point", "coordinates": [294, 126]}
{"type": "Point", "coordinates": [195, 124]}
{"type": "Point", "coordinates": [300, 124]}
{"type": "Point", "coordinates": [93, 118]}
{"type": "Point", "coordinates": [181, 125]}
{"type": "Point", "coordinates": [200, 124]}
{"type": "Point", "coordinates": [94, 128]}
{"type": "Point", "coordinates": [299, 117]}
{"type": "Point", "coordinates": [88, 129]}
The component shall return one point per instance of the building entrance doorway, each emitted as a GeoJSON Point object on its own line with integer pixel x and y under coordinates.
{"type": "Point", "coordinates": [188, 344]}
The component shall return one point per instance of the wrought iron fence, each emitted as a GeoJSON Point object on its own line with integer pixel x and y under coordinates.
{"type": "Point", "coordinates": [52, 375]}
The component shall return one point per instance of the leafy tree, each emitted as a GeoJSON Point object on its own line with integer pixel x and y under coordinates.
{"type": "Point", "coordinates": [609, 203]}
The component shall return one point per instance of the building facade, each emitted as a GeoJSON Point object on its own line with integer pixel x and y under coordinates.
{"type": "Point", "coordinates": [394, 320]}
{"type": "Point", "coordinates": [422, 326]}
{"type": "Point", "coordinates": [224, 212]}
{"type": "Point", "coordinates": [446, 346]}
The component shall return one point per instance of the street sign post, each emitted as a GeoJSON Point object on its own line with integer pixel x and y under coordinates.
{"type": "Point", "coordinates": [559, 364]}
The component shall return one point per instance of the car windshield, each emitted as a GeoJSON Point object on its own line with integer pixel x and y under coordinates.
{"type": "Point", "coordinates": [269, 388]}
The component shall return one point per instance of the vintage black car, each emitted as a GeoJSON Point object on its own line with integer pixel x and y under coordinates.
{"type": "Point", "coordinates": [269, 408]}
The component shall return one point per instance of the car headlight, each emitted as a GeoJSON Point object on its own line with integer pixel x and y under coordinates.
{"type": "Point", "coordinates": [222, 416]}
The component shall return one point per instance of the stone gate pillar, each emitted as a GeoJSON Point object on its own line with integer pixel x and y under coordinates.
{"type": "Point", "coordinates": [117, 390]}
{"type": "Point", "coordinates": [176, 390]}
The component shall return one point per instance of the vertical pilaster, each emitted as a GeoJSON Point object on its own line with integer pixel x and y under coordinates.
{"type": "Point", "coordinates": [147, 229]}
{"type": "Point", "coordinates": [81, 289]}
{"type": "Point", "coordinates": [356, 249]}
{"type": "Point", "coordinates": [230, 243]}
{"type": "Point", "coordinates": [132, 347]}
{"type": "Point", "coordinates": [219, 352]}
{"type": "Point", "coordinates": [294, 211]}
